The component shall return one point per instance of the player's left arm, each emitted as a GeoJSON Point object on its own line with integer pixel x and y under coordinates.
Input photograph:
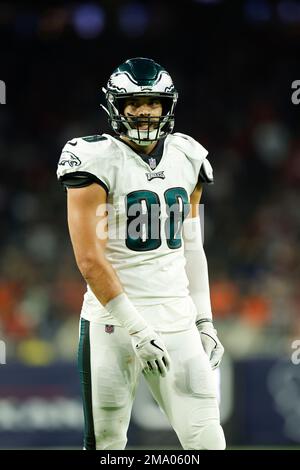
{"type": "Point", "coordinates": [197, 273]}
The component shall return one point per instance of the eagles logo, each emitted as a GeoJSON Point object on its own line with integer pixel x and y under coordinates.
{"type": "Point", "coordinates": [69, 158]}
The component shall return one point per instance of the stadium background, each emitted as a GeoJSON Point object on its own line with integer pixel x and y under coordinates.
{"type": "Point", "coordinates": [233, 64]}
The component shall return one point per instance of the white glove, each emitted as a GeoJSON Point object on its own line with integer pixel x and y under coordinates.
{"type": "Point", "coordinates": [210, 341]}
{"type": "Point", "coordinates": [151, 352]}
{"type": "Point", "coordinates": [147, 344]}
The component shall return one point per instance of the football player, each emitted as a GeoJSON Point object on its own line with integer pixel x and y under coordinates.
{"type": "Point", "coordinates": [133, 200]}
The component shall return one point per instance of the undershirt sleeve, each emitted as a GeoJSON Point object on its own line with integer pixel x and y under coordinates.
{"type": "Point", "coordinates": [80, 179]}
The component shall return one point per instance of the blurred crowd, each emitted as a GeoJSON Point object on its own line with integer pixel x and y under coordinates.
{"type": "Point", "coordinates": [235, 98]}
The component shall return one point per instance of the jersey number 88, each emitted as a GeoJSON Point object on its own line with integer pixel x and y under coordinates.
{"type": "Point", "coordinates": [143, 209]}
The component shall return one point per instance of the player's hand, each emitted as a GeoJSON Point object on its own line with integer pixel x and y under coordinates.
{"type": "Point", "coordinates": [151, 352]}
{"type": "Point", "coordinates": [211, 343]}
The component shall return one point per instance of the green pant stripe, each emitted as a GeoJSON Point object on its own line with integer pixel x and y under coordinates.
{"type": "Point", "coordinates": [84, 365]}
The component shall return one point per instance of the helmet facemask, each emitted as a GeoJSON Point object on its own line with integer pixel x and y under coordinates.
{"type": "Point", "coordinates": [156, 127]}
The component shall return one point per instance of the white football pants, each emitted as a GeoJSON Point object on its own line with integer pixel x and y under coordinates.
{"type": "Point", "coordinates": [110, 372]}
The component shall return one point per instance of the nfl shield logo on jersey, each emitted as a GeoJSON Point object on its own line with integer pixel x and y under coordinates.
{"type": "Point", "coordinates": [109, 329]}
{"type": "Point", "coordinates": [152, 163]}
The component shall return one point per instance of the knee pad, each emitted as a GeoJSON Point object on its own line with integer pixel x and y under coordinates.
{"type": "Point", "coordinates": [212, 437]}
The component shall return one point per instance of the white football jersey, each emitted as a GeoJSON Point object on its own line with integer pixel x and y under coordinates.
{"type": "Point", "coordinates": [146, 211]}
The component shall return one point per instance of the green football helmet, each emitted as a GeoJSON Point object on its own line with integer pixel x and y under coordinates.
{"type": "Point", "coordinates": [140, 77]}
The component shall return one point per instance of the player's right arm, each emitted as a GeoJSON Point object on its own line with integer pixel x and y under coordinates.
{"type": "Point", "coordinates": [88, 232]}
